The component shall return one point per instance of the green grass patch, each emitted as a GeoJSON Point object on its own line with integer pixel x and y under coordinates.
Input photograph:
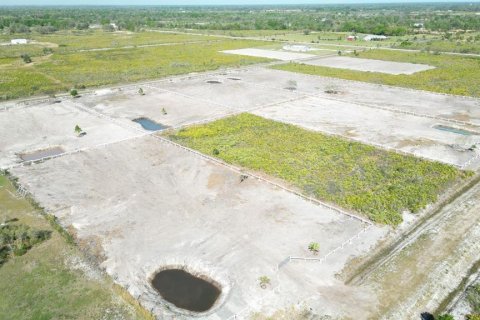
{"type": "Point", "coordinates": [453, 74]}
{"type": "Point", "coordinates": [374, 182]}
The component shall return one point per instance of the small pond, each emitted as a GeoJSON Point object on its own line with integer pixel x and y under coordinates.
{"type": "Point", "coordinates": [39, 154]}
{"type": "Point", "coordinates": [455, 130]}
{"type": "Point", "coordinates": [149, 125]}
{"type": "Point", "coordinates": [185, 290]}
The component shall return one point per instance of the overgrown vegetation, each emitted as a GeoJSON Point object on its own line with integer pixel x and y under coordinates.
{"type": "Point", "coordinates": [359, 177]}
{"type": "Point", "coordinates": [66, 69]}
{"type": "Point", "coordinates": [17, 238]}
{"type": "Point", "coordinates": [453, 74]}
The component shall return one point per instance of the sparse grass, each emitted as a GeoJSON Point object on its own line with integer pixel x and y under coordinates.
{"type": "Point", "coordinates": [375, 182]}
{"type": "Point", "coordinates": [473, 298]}
{"type": "Point", "coordinates": [453, 74]}
{"type": "Point", "coordinates": [41, 284]}
{"type": "Point", "coordinates": [68, 68]}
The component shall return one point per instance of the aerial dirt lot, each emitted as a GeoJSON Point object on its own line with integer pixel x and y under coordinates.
{"type": "Point", "coordinates": [139, 203]}
{"type": "Point", "coordinates": [369, 65]}
{"type": "Point", "coordinates": [146, 204]}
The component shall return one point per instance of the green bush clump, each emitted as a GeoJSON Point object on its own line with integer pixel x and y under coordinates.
{"type": "Point", "coordinates": [375, 182]}
{"type": "Point", "coordinates": [16, 239]}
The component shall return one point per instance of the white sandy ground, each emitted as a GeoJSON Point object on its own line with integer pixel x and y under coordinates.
{"type": "Point", "coordinates": [122, 197]}
{"type": "Point", "coordinates": [149, 205]}
{"type": "Point", "coordinates": [271, 54]}
{"type": "Point", "coordinates": [389, 117]}
{"type": "Point", "coordinates": [369, 65]}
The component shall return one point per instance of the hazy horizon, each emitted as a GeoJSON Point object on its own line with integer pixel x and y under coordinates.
{"type": "Point", "coordinates": [209, 2]}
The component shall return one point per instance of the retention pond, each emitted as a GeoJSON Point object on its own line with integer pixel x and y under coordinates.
{"type": "Point", "coordinates": [185, 290]}
{"type": "Point", "coordinates": [149, 125]}
{"type": "Point", "coordinates": [40, 154]}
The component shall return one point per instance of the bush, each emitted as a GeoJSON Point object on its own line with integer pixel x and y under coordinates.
{"type": "Point", "coordinates": [26, 58]}
{"type": "Point", "coordinates": [314, 247]}
{"type": "Point", "coordinates": [16, 239]}
{"type": "Point", "coordinates": [473, 317]}
{"type": "Point", "coordinates": [74, 93]}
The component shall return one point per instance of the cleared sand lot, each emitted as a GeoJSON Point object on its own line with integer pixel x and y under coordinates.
{"type": "Point", "coordinates": [271, 54]}
{"type": "Point", "coordinates": [143, 204]}
{"type": "Point", "coordinates": [33, 128]}
{"type": "Point", "coordinates": [369, 65]}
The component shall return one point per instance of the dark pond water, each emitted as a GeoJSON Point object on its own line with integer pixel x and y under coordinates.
{"type": "Point", "coordinates": [455, 130]}
{"type": "Point", "coordinates": [150, 125]}
{"type": "Point", "coordinates": [39, 154]}
{"type": "Point", "coordinates": [213, 82]}
{"type": "Point", "coordinates": [185, 290]}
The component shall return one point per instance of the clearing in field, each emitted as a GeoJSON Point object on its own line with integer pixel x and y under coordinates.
{"type": "Point", "coordinates": [452, 74]}
{"type": "Point", "coordinates": [270, 54]}
{"type": "Point", "coordinates": [370, 65]}
{"type": "Point", "coordinates": [377, 183]}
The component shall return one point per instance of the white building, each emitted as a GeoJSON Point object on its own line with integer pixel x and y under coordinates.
{"type": "Point", "coordinates": [372, 37]}
{"type": "Point", "coordinates": [18, 41]}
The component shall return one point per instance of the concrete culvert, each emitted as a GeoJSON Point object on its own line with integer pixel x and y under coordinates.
{"type": "Point", "coordinates": [185, 290]}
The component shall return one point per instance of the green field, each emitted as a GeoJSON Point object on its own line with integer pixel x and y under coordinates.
{"type": "Point", "coordinates": [64, 69]}
{"type": "Point", "coordinates": [453, 74]}
{"type": "Point", "coordinates": [47, 281]}
{"type": "Point", "coordinates": [376, 183]}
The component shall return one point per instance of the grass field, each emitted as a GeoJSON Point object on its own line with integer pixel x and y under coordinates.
{"type": "Point", "coordinates": [47, 282]}
{"type": "Point", "coordinates": [376, 183]}
{"type": "Point", "coordinates": [66, 67]}
{"type": "Point", "coordinates": [453, 74]}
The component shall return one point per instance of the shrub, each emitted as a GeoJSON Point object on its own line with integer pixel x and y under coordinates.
{"type": "Point", "coordinates": [26, 58]}
{"type": "Point", "coordinates": [264, 281]}
{"type": "Point", "coordinates": [74, 93]}
{"type": "Point", "coordinates": [314, 247]}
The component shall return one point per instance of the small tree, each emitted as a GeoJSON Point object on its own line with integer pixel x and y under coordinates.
{"type": "Point", "coordinates": [339, 52]}
{"type": "Point", "coordinates": [164, 112]}
{"type": "Point", "coordinates": [140, 92]}
{"type": "Point", "coordinates": [314, 247]}
{"type": "Point", "coordinates": [216, 152]}
{"type": "Point", "coordinates": [26, 58]}
{"type": "Point", "coordinates": [78, 130]}
{"type": "Point", "coordinates": [264, 281]}
{"type": "Point", "coordinates": [74, 93]}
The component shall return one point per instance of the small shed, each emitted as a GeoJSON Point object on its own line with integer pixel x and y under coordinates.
{"type": "Point", "coordinates": [352, 38]}
{"type": "Point", "coordinates": [18, 41]}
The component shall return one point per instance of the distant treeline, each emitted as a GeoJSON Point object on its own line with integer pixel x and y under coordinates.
{"type": "Point", "coordinates": [387, 19]}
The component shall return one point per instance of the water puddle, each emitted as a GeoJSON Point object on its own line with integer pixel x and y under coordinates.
{"type": "Point", "coordinates": [40, 154]}
{"type": "Point", "coordinates": [214, 82]}
{"type": "Point", "coordinates": [455, 130]}
{"type": "Point", "coordinates": [185, 290]}
{"type": "Point", "coordinates": [150, 125]}
{"type": "Point", "coordinates": [234, 79]}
